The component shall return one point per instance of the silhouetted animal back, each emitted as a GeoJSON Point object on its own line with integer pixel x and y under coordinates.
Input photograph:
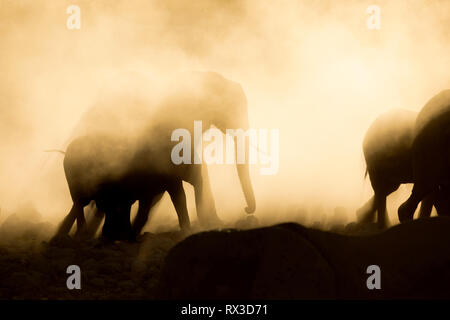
{"type": "Point", "coordinates": [388, 140]}
{"type": "Point", "coordinates": [435, 108]}
{"type": "Point", "coordinates": [431, 145]}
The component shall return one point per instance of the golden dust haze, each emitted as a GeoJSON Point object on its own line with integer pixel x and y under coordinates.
{"type": "Point", "coordinates": [311, 69]}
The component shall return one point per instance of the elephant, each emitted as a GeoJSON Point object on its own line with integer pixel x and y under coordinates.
{"type": "Point", "coordinates": [103, 168]}
{"type": "Point", "coordinates": [386, 148]}
{"type": "Point", "coordinates": [205, 96]}
{"type": "Point", "coordinates": [430, 157]}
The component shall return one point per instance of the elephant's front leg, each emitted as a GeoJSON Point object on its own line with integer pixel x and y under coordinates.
{"type": "Point", "coordinates": [382, 187]}
{"type": "Point", "coordinates": [442, 200]}
{"type": "Point", "coordinates": [383, 219]}
{"type": "Point", "coordinates": [178, 197]}
{"type": "Point", "coordinates": [204, 200]}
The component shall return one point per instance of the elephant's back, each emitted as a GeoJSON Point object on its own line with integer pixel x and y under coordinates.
{"type": "Point", "coordinates": [431, 146]}
{"type": "Point", "coordinates": [94, 159]}
{"type": "Point", "coordinates": [201, 96]}
{"type": "Point", "coordinates": [433, 112]}
{"type": "Point", "coordinates": [389, 137]}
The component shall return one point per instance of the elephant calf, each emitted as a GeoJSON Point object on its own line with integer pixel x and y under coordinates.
{"type": "Point", "coordinates": [115, 200]}
{"type": "Point", "coordinates": [99, 167]}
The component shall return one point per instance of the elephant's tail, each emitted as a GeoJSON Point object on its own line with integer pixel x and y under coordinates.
{"type": "Point", "coordinates": [55, 150]}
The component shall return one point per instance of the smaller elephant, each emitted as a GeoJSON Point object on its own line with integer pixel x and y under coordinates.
{"type": "Point", "coordinates": [387, 151]}
{"type": "Point", "coordinates": [96, 168]}
{"type": "Point", "coordinates": [115, 201]}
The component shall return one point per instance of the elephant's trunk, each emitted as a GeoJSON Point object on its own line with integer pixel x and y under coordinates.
{"type": "Point", "coordinates": [244, 177]}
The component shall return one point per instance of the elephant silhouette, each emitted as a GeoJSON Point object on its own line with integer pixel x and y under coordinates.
{"type": "Point", "coordinates": [104, 168]}
{"type": "Point", "coordinates": [127, 161]}
{"type": "Point", "coordinates": [430, 157]}
{"type": "Point", "coordinates": [386, 148]}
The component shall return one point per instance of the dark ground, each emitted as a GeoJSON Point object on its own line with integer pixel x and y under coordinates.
{"type": "Point", "coordinates": [286, 261]}
{"type": "Point", "coordinates": [289, 261]}
{"type": "Point", "coordinates": [31, 268]}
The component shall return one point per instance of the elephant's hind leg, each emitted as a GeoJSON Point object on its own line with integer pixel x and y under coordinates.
{"type": "Point", "coordinates": [81, 223]}
{"type": "Point", "coordinates": [144, 211]}
{"type": "Point", "coordinates": [366, 213]}
{"type": "Point", "coordinates": [95, 221]}
{"type": "Point", "coordinates": [426, 206]}
{"type": "Point", "coordinates": [407, 209]}
{"type": "Point", "coordinates": [67, 223]}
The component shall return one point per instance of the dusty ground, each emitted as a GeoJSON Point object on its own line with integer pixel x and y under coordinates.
{"type": "Point", "coordinates": [31, 268]}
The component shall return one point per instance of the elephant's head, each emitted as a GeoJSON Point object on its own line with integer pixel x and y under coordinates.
{"type": "Point", "coordinates": [218, 102]}
{"type": "Point", "coordinates": [231, 113]}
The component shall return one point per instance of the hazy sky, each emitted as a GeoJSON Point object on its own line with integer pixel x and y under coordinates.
{"type": "Point", "coordinates": [311, 69]}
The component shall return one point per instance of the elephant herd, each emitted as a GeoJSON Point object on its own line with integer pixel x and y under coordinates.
{"type": "Point", "coordinates": [116, 167]}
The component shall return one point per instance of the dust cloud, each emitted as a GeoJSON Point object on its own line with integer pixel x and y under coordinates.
{"type": "Point", "coordinates": [311, 69]}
